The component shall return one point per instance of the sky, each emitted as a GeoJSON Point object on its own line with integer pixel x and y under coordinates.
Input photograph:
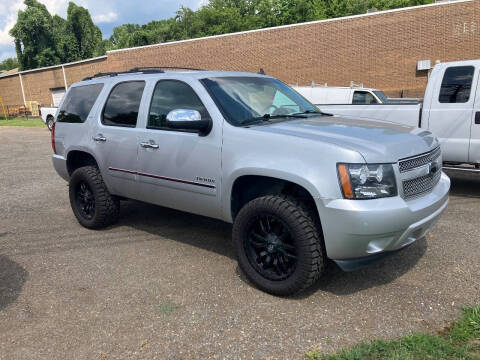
{"type": "Point", "coordinates": [106, 14]}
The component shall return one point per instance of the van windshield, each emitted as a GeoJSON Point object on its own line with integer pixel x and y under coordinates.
{"type": "Point", "coordinates": [244, 100]}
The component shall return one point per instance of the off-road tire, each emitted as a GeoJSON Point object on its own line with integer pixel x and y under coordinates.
{"type": "Point", "coordinates": [107, 206]}
{"type": "Point", "coordinates": [305, 234]}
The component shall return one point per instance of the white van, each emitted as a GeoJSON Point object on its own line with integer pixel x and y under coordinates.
{"type": "Point", "coordinates": [326, 95]}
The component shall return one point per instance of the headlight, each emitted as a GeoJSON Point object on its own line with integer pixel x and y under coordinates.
{"type": "Point", "coordinates": [361, 181]}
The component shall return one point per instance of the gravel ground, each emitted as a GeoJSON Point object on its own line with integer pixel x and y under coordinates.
{"type": "Point", "coordinates": [165, 285]}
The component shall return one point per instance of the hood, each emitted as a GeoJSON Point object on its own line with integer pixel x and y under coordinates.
{"type": "Point", "coordinates": [377, 141]}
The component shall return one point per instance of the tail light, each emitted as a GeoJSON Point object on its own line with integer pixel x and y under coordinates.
{"type": "Point", "coordinates": [53, 138]}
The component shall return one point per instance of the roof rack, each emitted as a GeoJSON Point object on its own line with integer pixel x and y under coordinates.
{"type": "Point", "coordinates": [101, 74]}
{"type": "Point", "coordinates": [178, 68]}
{"type": "Point", "coordinates": [144, 70]}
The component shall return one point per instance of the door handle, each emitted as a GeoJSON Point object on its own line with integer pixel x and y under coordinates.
{"type": "Point", "coordinates": [99, 137]}
{"type": "Point", "coordinates": [477, 118]}
{"type": "Point", "coordinates": [149, 144]}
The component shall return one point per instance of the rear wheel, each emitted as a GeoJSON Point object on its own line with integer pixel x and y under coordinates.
{"type": "Point", "coordinates": [93, 205]}
{"type": "Point", "coordinates": [49, 122]}
{"type": "Point", "coordinates": [278, 245]}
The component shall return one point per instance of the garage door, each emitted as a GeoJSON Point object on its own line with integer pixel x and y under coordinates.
{"type": "Point", "coordinates": [57, 95]}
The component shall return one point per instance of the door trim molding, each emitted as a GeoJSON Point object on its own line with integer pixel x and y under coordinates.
{"type": "Point", "coordinates": [162, 177]}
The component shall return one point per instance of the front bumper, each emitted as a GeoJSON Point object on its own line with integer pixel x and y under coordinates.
{"type": "Point", "coordinates": [356, 229]}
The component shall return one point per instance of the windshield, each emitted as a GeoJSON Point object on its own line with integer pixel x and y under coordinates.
{"type": "Point", "coordinates": [383, 98]}
{"type": "Point", "coordinates": [244, 100]}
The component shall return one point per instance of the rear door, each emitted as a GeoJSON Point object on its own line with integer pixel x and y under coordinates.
{"type": "Point", "coordinates": [451, 109]}
{"type": "Point", "coordinates": [115, 138]}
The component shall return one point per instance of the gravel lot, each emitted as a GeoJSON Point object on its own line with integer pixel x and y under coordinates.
{"type": "Point", "coordinates": [165, 285]}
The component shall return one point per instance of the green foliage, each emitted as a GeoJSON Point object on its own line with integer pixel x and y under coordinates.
{"type": "Point", "coordinates": [43, 40]}
{"type": "Point", "coordinates": [86, 34]}
{"type": "Point", "coordinates": [461, 342]}
{"type": "Point", "coordinates": [9, 64]}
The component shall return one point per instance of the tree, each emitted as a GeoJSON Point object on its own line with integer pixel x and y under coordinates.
{"type": "Point", "coordinates": [87, 35]}
{"type": "Point", "coordinates": [65, 42]}
{"type": "Point", "coordinates": [33, 36]}
{"type": "Point", "coordinates": [9, 64]}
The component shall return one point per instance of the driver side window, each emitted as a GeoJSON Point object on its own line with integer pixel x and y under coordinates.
{"type": "Point", "coordinates": [171, 95]}
{"type": "Point", "coordinates": [363, 97]}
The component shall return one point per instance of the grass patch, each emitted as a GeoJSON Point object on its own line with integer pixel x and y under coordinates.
{"type": "Point", "coordinates": [31, 122]}
{"type": "Point", "coordinates": [459, 341]}
{"type": "Point", "coordinates": [168, 308]}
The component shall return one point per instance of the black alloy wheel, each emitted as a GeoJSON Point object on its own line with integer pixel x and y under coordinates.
{"type": "Point", "coordinates": [85, 200]}
{"type": "Point", "coordinates": [269, 247]}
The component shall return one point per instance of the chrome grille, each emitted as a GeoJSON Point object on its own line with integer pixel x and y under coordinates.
{"type": "Point", "coordinates": [420, 185]}
{"type": "Point", "coordinates": [417, 161]}
{"type": "Point", "coordinates": [426, 182]}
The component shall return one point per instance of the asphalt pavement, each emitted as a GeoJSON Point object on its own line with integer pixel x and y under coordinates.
{"type": "Point", "coordinates": [163, 284]}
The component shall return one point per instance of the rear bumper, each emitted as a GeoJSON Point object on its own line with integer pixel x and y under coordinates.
{"type": "Point", "coordinates": [358, 231]}
{"type": "Point", "coordinates": [60, 166]}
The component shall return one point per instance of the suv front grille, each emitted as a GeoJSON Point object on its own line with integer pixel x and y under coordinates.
{"type": "Point", "coordinates": [420, 185]}
{"type": "Point", "coordinates": [417, 161]}
{"type": "Point", "coordinates": [424, 183]}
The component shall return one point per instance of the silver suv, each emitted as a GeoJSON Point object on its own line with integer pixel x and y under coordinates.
{"type": "Point", "coordinates": [299, 186]}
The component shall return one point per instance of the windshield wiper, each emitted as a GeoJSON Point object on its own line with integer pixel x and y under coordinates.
{"type": "Point", "coordinates": [268, 117]}
{"type": "Point", "coordinates": [310, 112]}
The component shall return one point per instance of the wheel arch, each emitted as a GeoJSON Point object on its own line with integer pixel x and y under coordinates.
{"type": "Point", "coordinates": [250, 185]}
{"type": "Point", "coordinates": [79, 158]}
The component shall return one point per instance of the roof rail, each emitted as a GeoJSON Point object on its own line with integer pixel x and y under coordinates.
{"type": "Point", "coordinates": [100, 74]}
{"type": "Point", "coordinates": [154, 69]}
{"type": "Point", "coordinates": [144, 70]}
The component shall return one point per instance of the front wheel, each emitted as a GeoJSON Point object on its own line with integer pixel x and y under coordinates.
{"type": "Point", "coordinates": [93, 205]}
{"type": "Point", "coordinates": [50, 122]}
{"type": "Point", "coordinates": [278, 245]}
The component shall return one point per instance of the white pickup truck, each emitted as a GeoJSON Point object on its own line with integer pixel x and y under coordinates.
{"type": "Point", "coordinates": [48, 116]}
{"type": "Point", "coordinates": [451, 110]}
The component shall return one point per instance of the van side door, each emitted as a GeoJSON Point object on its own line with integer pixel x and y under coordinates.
{"type": "Point", "coordinates": [451, 109]}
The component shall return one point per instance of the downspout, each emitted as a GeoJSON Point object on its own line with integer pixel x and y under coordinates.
{"type": "Point", "coordinates": [23, 91]}
{"type": "Point", "coordinates": [64, 77]}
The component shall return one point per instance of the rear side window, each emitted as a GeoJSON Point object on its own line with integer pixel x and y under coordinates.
{"type": "Point", "coordinates": [363, 97]}
{"type": "Point", "coordinates": [171, 95]}
{"type": "Point", "coordinates": [456, 84]}
{"type": "Point", "coordinates": [78, 103]}
{"type": "Point", "coordinates": [123, 103]}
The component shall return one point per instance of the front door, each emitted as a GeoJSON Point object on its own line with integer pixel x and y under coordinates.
{"type": "Point", "coordinates": [474, 156]}
{"type": "Point", "coordinates": [179, 169]}
{"type": "Point", "coordinates": [451, 110]}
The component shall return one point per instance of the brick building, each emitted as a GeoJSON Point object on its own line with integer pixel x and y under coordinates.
{"type": "Point", "coordinates": [380, 50]}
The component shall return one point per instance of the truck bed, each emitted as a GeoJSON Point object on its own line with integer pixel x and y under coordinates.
{"type": "Point", "coordinates": [403, 113]}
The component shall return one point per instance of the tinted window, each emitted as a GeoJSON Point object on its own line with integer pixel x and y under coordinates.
{"type": "Point", "coordinates": [123, 103]}
{"type": "Point", "coordinates": [456, 84]}
{"type": "Point", "coordinates": [363, 97]}
{"type": "Point", "coordinates": [170, 95]}
{"type": "Point", "coordinates": [78, 103]}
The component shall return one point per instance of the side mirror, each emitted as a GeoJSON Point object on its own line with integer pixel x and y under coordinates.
{"type": "Point", "coordinates": [185, 119]}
